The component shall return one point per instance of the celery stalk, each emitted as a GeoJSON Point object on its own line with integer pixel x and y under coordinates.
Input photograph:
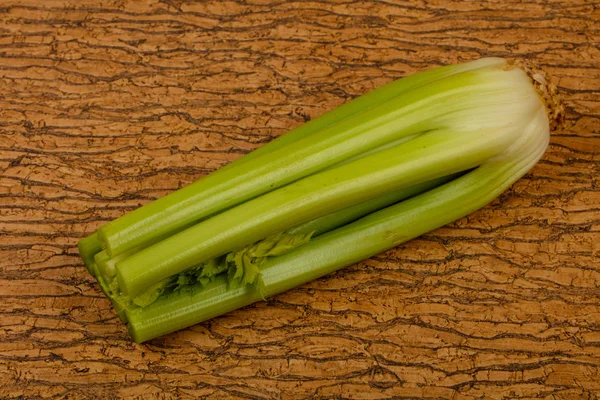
{"type": "Point", "coordinates": [458, 136]}
{"type": "Point", "coordinates": [344, 216]}
{"type": "Point", "coordinates": [394, 164]}
{"type": "Point", "coordinates": [427, 157]}
{"type": "Point", "coordinates": [354, 242]}
{"type": "Point", "coordinates": [315, 227]}
{"type": "Point", "coordinates": [106, 265]}
{"type": "Point", "coordinates": [368, 122]}
{"type": "Point", "coordinates": [88, 247]}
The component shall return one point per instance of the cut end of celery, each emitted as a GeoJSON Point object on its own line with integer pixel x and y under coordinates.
{"type": "Point", "coordinates": [547, 92]}
{"type": "Point", "coordinates": [88, 248]}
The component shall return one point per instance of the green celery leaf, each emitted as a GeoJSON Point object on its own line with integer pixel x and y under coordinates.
{"type": "Point", "coordinates": [251, 271]}
{"type": "Point", "coordinates": [150, 295]}
{"type": "Point", "coordinates": [213, 268]}
{"type": "Point", "coordinates": [278, 244]}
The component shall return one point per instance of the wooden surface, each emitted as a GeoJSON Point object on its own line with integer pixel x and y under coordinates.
{"type": "Point", "coordinates": [107, 105]}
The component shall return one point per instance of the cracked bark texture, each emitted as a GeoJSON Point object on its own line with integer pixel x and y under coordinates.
{"type": "Point", "coordinates": [107, 105]}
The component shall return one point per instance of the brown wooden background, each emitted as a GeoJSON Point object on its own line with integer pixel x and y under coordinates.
{"type": "Point", "coordinates": [107, 105]}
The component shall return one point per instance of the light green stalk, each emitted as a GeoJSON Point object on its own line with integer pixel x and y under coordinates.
{"type": "Point", "coordinates": [368, 122]}
{"type": "Point", "coordinates": [245, 262]}
{"type": "Point", "coordinates": [283, 214]}
{"type": "Point", "coordinates": [364, 238]}
{"type": "Point", "coordinates": [467, 119]}
{"type": "Point", "coordinates": [88, 247]}
{"type": "Point", "coordinates": [344, 216]}
{"type": "Point", "coordinates": [107, 265]}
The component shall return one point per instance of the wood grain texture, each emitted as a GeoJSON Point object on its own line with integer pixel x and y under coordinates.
{"type": "Point", "coordinates": [107, 105]}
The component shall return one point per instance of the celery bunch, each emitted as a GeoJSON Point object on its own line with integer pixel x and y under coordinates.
{"type": "Point", "coordinates": [389, 166]}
